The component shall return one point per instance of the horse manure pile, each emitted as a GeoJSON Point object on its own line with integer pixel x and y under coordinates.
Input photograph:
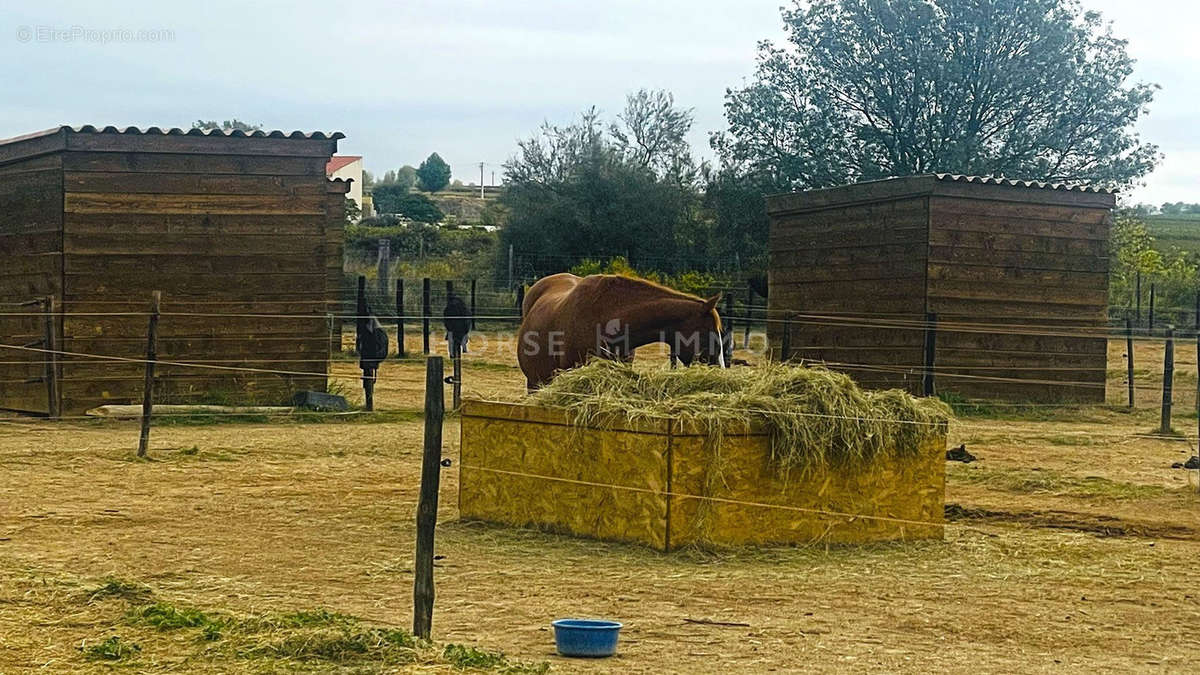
{"type": "Point", "coordinates": [814, 417]}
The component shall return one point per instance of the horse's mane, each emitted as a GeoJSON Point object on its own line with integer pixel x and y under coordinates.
{"type": "Point", "coordinates": [620, 280]}
{"type": "Point", "coordinates": [622, 283]}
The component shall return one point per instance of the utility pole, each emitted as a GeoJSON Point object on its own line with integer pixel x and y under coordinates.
{"type": "Point", "coordinates": [481, 180]}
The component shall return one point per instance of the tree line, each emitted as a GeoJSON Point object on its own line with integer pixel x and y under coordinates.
{"type": "Point", "coordinates": [857, 90]}
{"type": "Point", "coordinates": [393, 195]}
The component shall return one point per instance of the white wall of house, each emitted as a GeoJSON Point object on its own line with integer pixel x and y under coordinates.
{"type": "Point", "coordinates": [353, 171]}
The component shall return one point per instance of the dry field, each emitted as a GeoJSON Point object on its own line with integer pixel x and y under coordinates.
{"type": "Point", "coordinates": [1072, 546]}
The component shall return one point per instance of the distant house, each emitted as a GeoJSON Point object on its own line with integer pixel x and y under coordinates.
{"type": "Point", "coordinates": [349, 167]}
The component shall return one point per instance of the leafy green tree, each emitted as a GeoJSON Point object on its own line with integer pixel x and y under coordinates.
{"type": "Point", "coordinates": [867, 89]}
{"type": "Point", "coordinates": [228, 125]}
{"type": "Point", "coordinates": [1135, 252]}
{"type": "Point", "coordinates": [387, 197]}
{"type": "Point", "coordinates": [591, 189]}
{"type": "Point", "coordinates": [395, 199]}
{"type": "Point", "coordinates": [651, 133]}
{"type": "Point", "coordinates": [406, 176]}
{"type": "Point", "coordinates": [352, 212]}
{"type": "Point", "coordinates": [433, 174]}
{"type": "Point", "coordinates": [419, 208]}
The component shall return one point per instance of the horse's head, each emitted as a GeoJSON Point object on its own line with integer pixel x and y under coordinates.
{"type": "Point", "coordinates": [700, 338]}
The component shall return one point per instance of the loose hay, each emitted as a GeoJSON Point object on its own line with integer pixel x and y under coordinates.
{"type": "Point", "coordinates": [815, 418]}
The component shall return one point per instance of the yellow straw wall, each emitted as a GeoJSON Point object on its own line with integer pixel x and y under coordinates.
{"type": "Point", "coordinates": [530, 467]}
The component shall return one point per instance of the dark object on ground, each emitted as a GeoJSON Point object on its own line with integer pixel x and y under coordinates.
{"type": "Point", "coordinates": [319, 400]}
{"type": "Point", "coordinates": [1192, 463]}
{"type": "Point", "coordinates": [960, 454]}
{"type": "Point", "coordinates": [457, 319]}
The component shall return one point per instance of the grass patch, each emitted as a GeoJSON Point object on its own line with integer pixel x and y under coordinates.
{"type": "Point", "coordinates": [466, 657]}
{"type": "Point", "coordinates": [315, 638]}
{"type": "Point", "coordinates": [112, 587]}
{"type": "Point", "coordinates": [166, 616]}
{"type": "Point", "coordinates": [814, 417]}
{"type": "Point", "coordinates": [1041, 481]}
{"type": "Point", "coordinates": [112, 649]}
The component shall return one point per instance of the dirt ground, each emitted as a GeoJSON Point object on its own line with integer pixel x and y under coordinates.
{"type": "Point", "coordinates": [1072, 546]}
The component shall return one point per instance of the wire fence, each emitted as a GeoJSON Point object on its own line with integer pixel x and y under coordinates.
{"type": "Point", "coordinates": [412, 306]}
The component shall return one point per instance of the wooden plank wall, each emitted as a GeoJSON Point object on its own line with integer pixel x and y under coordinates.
{"type": "Point", "coordinates": [335, 256]}
{"type": "Point", "coordinates": [860, 265]}
{"type": "Point", "coordinates": [31, 195]}
{"type": "Point", "coordinates": [222, 226]}
{"type": "Point", "coordinates": [1033, 270]}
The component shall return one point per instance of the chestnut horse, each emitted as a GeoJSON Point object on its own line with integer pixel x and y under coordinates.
{"type": "Point", "coordinates": [567, 319]}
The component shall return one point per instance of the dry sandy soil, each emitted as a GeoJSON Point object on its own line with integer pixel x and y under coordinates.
{"type": "Point", "coordinates": [1072, 546]}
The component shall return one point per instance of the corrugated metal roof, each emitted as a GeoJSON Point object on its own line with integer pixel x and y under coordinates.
{"type": "Point", "coordinates": [176, 131]}
{"type": "Point", "coordinates": [991, 180]}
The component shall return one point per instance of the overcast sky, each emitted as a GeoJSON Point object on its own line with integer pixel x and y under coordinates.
{"type": "Point", "coordinates": [464, 78]}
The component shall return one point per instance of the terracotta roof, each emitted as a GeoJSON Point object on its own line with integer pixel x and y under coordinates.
{"type": "Point", "coordinates": [340, 161]}
{"type": "Point", "coordinates": [990, 180]}
{"type": "Point", "coordinates": [176, 131]}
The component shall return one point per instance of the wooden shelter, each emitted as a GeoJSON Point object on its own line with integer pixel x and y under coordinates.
{"type": "Point", "coordinates": [997, 288]}
{"type": "Point", "coordinates": [240, 231]}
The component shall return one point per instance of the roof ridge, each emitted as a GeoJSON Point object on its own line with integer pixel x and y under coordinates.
{"type": "Point", "coordinates": [177, 131]}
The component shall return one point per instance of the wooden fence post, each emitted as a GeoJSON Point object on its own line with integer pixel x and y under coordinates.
{"type": "Point", "coordinates": [927, 382]}
{"type": "Point", "coordinates": [425, 313]}
{"type": "Point", "coordinates": [1150, 320]}
{"type": "Point", "coordinates": [456, 377]}
{"type": "Point", "coordinates": [749, 313]}
{"type": "Point", "coordinates": [360, 301]}
{"type": "Point", "coordinates": [729, 314]}
{"type": "Point", "coordinates": [427, 503]}
{"type": "Point", "coordinates": [148, 386]}
{"type": "Point", "coordinates": [51, 358]}
{"type": "Point", "coordinates": [383, 266]}
{"type": "Point", "coordinates": [1129, 357]}
{"type": "Point", "coordinates": [785, 350]}
{"type": "Point", "coordinates": [1168, 378]}
{"type": "Point", "coordinates": [1138, 300]}
{"type": "Point", "coordinates": [521, 300]}
{"type": "Point", "coordinates": [473, 326]}
{"type": "Point", "coordinates": [400, 318]}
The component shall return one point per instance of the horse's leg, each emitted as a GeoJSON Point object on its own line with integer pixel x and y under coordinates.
{"type": "Point", "coordinates": [369, 389]}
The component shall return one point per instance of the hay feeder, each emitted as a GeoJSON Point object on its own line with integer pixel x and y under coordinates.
{"type": "Point", "coordinates": [663, 483]}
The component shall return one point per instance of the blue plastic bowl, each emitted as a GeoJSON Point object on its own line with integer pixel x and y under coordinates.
{"type": "Point", "coordinates": [586, 637]}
